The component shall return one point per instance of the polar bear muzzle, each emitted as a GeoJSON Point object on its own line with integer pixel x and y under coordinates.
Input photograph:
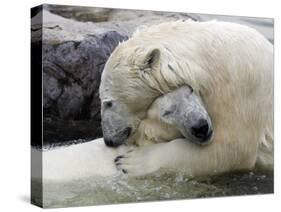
{"type": "Point", "coordinates": [117, 124]}
{"type": "Point", "coordinates": [185, 110]}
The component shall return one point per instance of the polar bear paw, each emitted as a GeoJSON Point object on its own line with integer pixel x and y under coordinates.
{"type": "Point", "coordinates": [136, 162]}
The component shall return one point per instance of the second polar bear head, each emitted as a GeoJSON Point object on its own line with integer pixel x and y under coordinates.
{"type": "Point", "coordinates": [176, 114]}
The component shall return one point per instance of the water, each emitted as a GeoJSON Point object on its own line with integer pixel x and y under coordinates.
{"type": "Point", "coordinates": [155, 187]}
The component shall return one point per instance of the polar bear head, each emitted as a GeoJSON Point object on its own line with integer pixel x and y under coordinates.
{"type": "Point", "coordinates": [177, 114]}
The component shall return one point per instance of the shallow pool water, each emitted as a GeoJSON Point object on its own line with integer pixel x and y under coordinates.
{"type": "Point", "coordinates": [158, 186]}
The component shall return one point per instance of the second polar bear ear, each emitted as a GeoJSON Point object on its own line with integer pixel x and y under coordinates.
{"type": "Point", "coordinates": [152, 58]}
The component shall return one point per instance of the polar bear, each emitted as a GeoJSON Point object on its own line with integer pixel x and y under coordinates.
{"type": "Point", "coordinates": [95, 159]}
{"type": "Point", "coordinates": [229, 66]}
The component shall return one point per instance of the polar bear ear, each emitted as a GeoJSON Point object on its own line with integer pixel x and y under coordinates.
{"type": "Point", "coordinates": [152, 58]}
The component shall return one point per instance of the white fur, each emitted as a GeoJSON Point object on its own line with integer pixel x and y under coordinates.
{"type": "Point", "coordinates": [91, 159]}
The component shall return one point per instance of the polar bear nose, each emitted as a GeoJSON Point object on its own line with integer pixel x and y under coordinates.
{"type": "Point", "coordinates": [111, 143]}
{"type": "Point", "coordinates": [117, 139]}
{"type": "Point", "coordinates": [200, 129]}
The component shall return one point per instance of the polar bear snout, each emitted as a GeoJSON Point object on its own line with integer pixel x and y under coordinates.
{"type": "Point", "coordinates": [115, 140]}
{"type": "Point", "coordinates": [114, 134]}
{"type": "Point", "coordinates": [202, 130]}
{"type": "Point", "coordinates": [196, 126]}
{"type": "Point", "coordinates": [118, 138]}
{"type": "Point", "coordinates": [116, 126]}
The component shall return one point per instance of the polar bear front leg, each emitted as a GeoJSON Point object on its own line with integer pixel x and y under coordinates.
{"type": "Point", "coordinates": [150, 158]}
{"type": "Point", "coordinates": [187, 157]}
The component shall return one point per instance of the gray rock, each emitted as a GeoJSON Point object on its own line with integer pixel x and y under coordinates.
{"type": "Point", "coordinates": [73, 57]}
{"type": "Point", "coordinates": [70, 103]}
{"type": "Point", "coordinates": [72, 71]}
{"type": "Point", "coordinates": [263, 25]}
{"type": "Point", "coordinates": [58, 29]}
{"type": "Point", "coordinates": [97, 14]}
{"type": "Point", "coordinates": [52, 91]}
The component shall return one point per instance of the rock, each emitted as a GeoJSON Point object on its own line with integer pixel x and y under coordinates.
{"type": "Point", "coordinates": [50, 92]}
{"type": "Point", "coordinates": [72, 71]}
{"type": "Point", "coordinates": [264, 25]}
{"type": "Point", "coordinates": [70, 103]}
{"type": "Point", "coordinates": [58, 28]}
{"type": "Point", "coordinates": [74, 55]}
{"type": "Point", "coordinates": [64, 132]}
{"type": "Point", "coordinates": [97, 14]}
{"type": "Point", "coordinates": [80, 13]}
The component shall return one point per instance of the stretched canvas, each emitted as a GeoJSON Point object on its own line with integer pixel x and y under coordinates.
{"type": "Point", "coordinates": [134, 105]}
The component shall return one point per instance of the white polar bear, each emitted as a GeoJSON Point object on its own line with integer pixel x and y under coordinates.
{"type": "Point", "coordinates": [229, 66]}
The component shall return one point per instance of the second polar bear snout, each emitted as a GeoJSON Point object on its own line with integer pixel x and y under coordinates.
{"type": "Point", "coordinates": [202, 130]}
{"type": "Point", "coordinates": [184, 109]}
{"type": "Point", "coordinates": [195, 122]}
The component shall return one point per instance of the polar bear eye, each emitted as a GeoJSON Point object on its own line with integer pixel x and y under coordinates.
{"type": "Point", "coordinates": [167, 112]}
{"type": "Point", "coordinates": [190, 89]}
